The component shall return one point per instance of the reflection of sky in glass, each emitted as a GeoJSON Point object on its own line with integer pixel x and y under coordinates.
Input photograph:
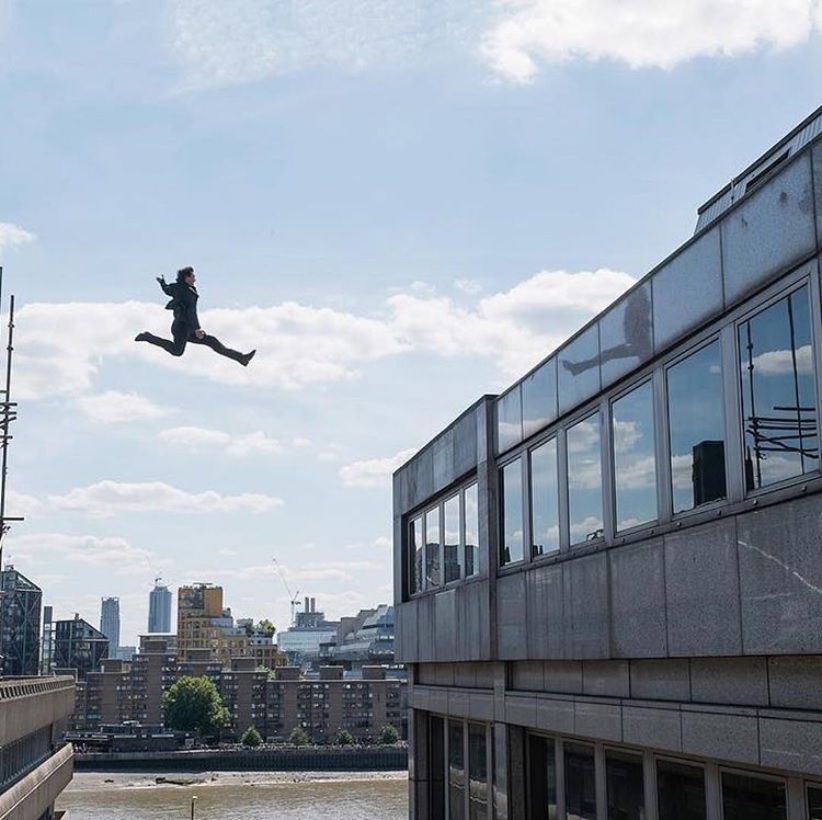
{"type": "Point", "coordinates": [509, 419]}
{"type": "Point", "coordinates": [511, 480]}
{"type": "Point", "coordinates": [578, 369]}
{"type": "Point", "coordinates": [778, 391]}
{"type": "Point", "coordinates": [544, 499]}
{"type": "Point", "coordinates": [584, 480]}
{"type": "Point", "coordinates": [539, 398]}
{"type": "Point", "coordinates": [696, 422]}
{"type": "Point", "coordinates": [432, 548]}
{"type": "Point", "coordinates": [415, 539]}
{"type": "Point", "coordinates": [451, 539]}
{"type": "Point", "coordinates": [471, 530]}
{"type": "Point", "coordinates": [634, 457]}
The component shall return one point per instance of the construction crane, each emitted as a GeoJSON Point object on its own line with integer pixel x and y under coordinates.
{"type": "Point", "coordinates": [293, 598]}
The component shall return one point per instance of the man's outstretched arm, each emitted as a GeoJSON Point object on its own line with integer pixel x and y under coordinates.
{"type": "Point", "coordinates": [165, 286]}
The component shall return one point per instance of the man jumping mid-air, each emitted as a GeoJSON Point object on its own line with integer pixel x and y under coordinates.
{"type": "Point", "coordinates": [186, 326]}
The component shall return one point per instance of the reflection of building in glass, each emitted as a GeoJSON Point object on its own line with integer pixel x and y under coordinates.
{"type": "Point", "coordinates": [159, 608]}
{"type": "Point", "coordinates": [648, 654]}
{"type": "Point", "coordinates": [110, 624]}
{"type": "Point", "coordinates": [20, 620]}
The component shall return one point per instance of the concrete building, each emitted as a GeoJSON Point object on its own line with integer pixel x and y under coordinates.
{"type": "Point", "coordinates": [301, 642]}
{"type": "Point", "coordinates": [78, 646]}
{"type": "Point", "coordinates": [20, 607]}
{"type": "Point", "coordinates": [159, 609]}
{"type": "Point", "coordinates": [607, 579]}
{"type": "Point", "coordinates": [35, 763]}
{"type": "Point", "coordinates": [110, 624]}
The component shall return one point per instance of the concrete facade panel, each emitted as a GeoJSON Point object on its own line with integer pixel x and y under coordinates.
{"type": "Point", "coordinates": [465, 445]}
{"type": "Point", "coordinates": [780, 569]}
{"type": "Point", "coordinates": [527, 676]}
{"type": "Point", "coordinates": [555, 715]}
{"type": "Point", "coordinates": [638, 625]}
{"type": "Point", "coordinates": [657, 728]}
{"type": "Point", "coordinates": [769, 231]}
{"type": "Point", "coordinates": [687, 290]}
{"type": "Point", "coordinates": [545, 612]}
{"type": "Point", "coordinates": [443, 460]}
{"type": "Point", "coordinates": [586, 610]}
{"type": "Point", "coordinates": [722, 735]}
{"type": "Point", "coordinates": [602, 721]}
{"type": "Point", "coordinates": [796, 682]}
{"type": "Point", "coordinates": [817, 185]}
{"type": "Point", "coordinates": [521, 710]}
{"type": "Point", "coordinates": [563, 677]}
{"type": "Point", "coordinates": [606, 679]}
{"type": "Point", "coordinates": [445, 617]}
{"type": "Point", "coordinates": [740, 681]}
{"type": "Point", "coordinates": [481, 705]}
{"type": "Point", "coordinates": [792, 745]}
{"type": "Point", "coordinates": [512, 617]}
{"type": "Point", "coordinates": [661, 680]}
{"type": "Point", "coordinates": [702, 591]}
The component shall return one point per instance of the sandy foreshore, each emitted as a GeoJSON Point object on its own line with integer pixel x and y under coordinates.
{"type": "Point", "coordinates": [98, 781]}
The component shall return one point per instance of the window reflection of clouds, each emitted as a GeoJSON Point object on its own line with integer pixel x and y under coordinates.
{"type": "Point", "coordinates": [432, 548]}
{"type": "Point", "coordinates": [634, 456]}
{"type": "Point", "coordinates": [696, 422]}
{"type": "Point", "coordinates": [451, 539]}
{"type": "Point", "coordinates": [512, 542]}
{"type": "Point", "coordinates": [471, 530]}
{"type": "Point", "coordinates": [584, 480]}
{"type": "Point", "coordinates": [544, 499]}
{"type": "Point", "coordinates": [778, 392]}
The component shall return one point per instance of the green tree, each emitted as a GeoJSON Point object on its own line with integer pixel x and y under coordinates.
{"type": "Point", "coordinates": [266, 628]}
{"type": "Point", "coordinates": [389, 735]}
{"type": "Point", "coordinates": [251, 737]}
{"type": "Point", "coordinates": [344, 738]}
{"type": "Point", "coordinates": [298, 736]}
{"type": "Point", "coordinates": [194, 705]}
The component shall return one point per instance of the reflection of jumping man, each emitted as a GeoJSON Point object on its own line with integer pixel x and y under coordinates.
{"type": "Point", "coordinates": [186, 326]}
{"type": "Point", "coordinates": [636, 326]}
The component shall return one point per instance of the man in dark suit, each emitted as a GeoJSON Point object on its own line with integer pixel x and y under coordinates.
{"type": "Point", "coordinates": [186, 326]}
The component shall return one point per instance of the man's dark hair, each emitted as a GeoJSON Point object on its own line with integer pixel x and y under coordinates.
{"type": "Point", "coordinates": [183, 272]}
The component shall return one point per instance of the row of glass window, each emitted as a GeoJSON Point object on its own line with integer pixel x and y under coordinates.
{"type": "Point", "coordinates": [561, 477]}
{"type": "Point", "coordinates": [681, 792]}
{"type": "Point", "coordinates": [444, 541]}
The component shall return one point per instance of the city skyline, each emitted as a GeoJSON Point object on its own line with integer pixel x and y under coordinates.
{"type": "Point", "coordinates": [402, 210]}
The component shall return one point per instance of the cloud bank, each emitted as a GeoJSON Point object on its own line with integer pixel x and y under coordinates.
{"type": "Point", "coordinates": [12, 235]}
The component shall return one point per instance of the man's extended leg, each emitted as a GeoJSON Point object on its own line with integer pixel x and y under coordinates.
{"type": "Point", "coordinates": [176, 347]}
{"type": "Point", "coordinates": [218, 347]}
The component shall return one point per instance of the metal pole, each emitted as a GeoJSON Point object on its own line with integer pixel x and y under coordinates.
{"type": "Point", "coordinates": [193, 799]}
{"type": "Point", "coordinates": [7, 416]}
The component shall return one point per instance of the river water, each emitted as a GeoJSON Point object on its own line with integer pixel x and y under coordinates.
{"type": "Point", "coordinates": [238, 796]}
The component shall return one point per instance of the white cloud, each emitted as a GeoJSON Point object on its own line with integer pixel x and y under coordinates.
{"type": "Point", "coordinates": [375, 472]}
{"type": "Point", "coordinates": [641, 33]}
{"type": "Point", "coordinates": [198, 438]}
{"type": "Point", "coordinates": [107, 498]}
{"type": "Point", "coordinates": [300, 346]}
{"type": "Point", "coordinates": [780, 362]}
{"type": "Point", "coordinates": [12, 235]}
{"type": "Point", "coordinates": [112, 407]}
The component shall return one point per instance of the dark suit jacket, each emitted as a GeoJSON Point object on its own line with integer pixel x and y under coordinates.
{"type": "Point", "coordinates": [183, 303]}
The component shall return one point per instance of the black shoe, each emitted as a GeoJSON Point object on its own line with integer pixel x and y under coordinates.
{"type": "Point", "coordinates": [246, 358]}
{"type": "Point", "coordinates": [141, 337]}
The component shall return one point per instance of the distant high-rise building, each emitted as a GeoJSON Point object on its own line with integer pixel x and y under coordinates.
{"type": "Point", "coordinates": [159, 609]}
{"type": "Point", "coordinates": [20, 619]}
{"type": "Point", "coordinates": [78, 645]}
{"type": "Point", "coordinates": [110, 624]}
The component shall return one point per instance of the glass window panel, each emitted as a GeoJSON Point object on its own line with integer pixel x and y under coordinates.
{"type": "Point", "coordinates": [477, 773]}
{"type": "Point", "coordinates": [815, 803]}
{"type": "Point", "coordinates": [680, 791]}
{"type": "Point", "coordinates": [634, 457]}
{"type": "Point", "coordinates": [697, 423]}
{"type": "Point", "coordinates": [585, 480]}
{"type": "Point", "coordinates": [539, 398]}
{"type": "Point", "coordinates": [625, 335]}
{"type": "Point", "coordinates": [511, 546]}
{"type": "Point", "coordinates": [580, 783]}
{"type": "Point", "coordinates": [415, 539]}
{"type": "Point", "coordinates": [578, 369]}
{"type": "Point", "coordinates": [451, 540]}
{"type": "Point", "coordinates": [752, 798]}
{"type": "Point", "coordinates": [509, 419]}
{"type": "Point", "coordinates": [433, 576]}
{"type": "Point", "coordinates": [456, 771]}
{"type": "Point", "coordinates": [778, 392]}
{"type": "Point", "coordinates": [544, 499]}
{"type": "Point", "coordinates": [471, 531]}
{"type": "Point", "coordinates": [542, 782]}
{"type": "Point", "coordinates": [626, 795]}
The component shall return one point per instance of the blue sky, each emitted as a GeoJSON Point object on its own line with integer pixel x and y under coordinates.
{"type": "Point", "coordinates": [402, 205]}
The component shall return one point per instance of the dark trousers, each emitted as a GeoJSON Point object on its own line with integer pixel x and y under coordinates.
{"type": "Point", "coordinates": [183, 335]}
